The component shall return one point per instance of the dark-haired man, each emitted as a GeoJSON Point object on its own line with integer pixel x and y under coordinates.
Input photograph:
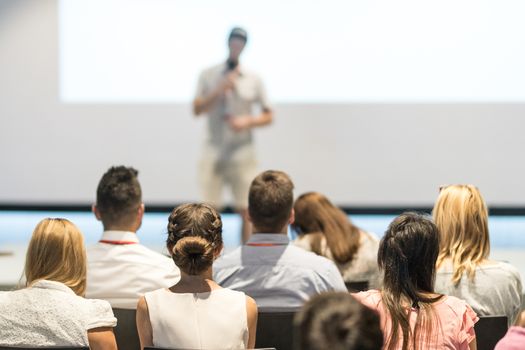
{"type": "Point", "coordinates": [120, 269]}
{"type": "Point", "coordinates": [268, 268]}
{"type": "Point", "coordinates": [228, 93]}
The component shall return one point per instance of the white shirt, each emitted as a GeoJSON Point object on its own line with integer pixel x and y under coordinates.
{"type": "Point", "coordinates": [276, 273]}
{"type": "Point", "coordinates": [248, 91]}
{"type": "Point", "coordinates": [211, 320]}
{"type": "Point", "coordinates": [50, 314]}
{"type": "Point", "coordinates": [122, 270]}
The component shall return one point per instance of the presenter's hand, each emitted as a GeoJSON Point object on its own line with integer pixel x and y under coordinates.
{"type": "Point", "coordinates": [227, 82]}
{"type": "Point", "coordinates": [240, 123]}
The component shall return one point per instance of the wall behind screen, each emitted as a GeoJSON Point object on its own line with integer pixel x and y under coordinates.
{"type": "Point", "coordinates": [358, 154]}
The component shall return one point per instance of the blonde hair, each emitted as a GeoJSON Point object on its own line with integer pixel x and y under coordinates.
{"type": "Point", "coordinates": [461, 215]}
{"type": "Point", "coordinates": [56, 252]}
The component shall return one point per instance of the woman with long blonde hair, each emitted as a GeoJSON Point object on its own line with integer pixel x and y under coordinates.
{"type": "Point", "coordinates": [326, 230]}
{"type": "Point", "coordinates": [464, 268]}
{"type": "Point", "coordinates": [51, 310]}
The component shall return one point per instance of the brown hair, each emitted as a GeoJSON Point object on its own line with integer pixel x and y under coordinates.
{"type": "Point", "coordinates": [462, 217]}
{"type": "Point", "coordinates": [407, 257]}
{"type": "Point", "coordinates": [118, 195]}
{"type": "Point", "coordinates": [56, 252]}
{"type": "Point", "coordinates": [336, 321]}
{"type": "Point", "coordinates": [270, 200]}
{"type": "Point", "coordinates": [315, 215]}
{"type": "Point", "coordinates": [194, 237]}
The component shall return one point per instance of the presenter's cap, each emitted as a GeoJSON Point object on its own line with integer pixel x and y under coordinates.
{"type": "Point", "coordinates": [239, 33]}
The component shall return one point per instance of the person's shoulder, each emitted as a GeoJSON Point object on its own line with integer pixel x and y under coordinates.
{"type": "Point", "coordinates": [303, 241]}
{"type": "Point", "coordinates": [228, 259]}
{"type": "Point", "coordinates": [453, 305]}
{"type": "Point", "coordinates": [509, 269]}
{"type": "Point", "coordinates": [212, 70]}
{"type": "Point", "coordinates": [100, 314]}
{"type": "Point", "coordinates": [97, 306]}
{"type": "Point", "coordinates": [370, 298]}
{"type": "Point", "coordinates": [316, 261]}
{"type": "Point", "coordinates": [369, 238]}
{"type": "Point", "coordinates": [152, 253]}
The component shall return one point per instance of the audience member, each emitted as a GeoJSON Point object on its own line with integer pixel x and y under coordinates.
{"type": "Point", "coordinates": [464, 270]}
{"type": "Point", "coordinates": [326, 230]}
{"type": "Point", "coordinates": [413, 315]}
{"type": "Point", "coordinates": [51, 311]}
{"type": "Point", "coordinates": [337, 321]}
{"type": "Point", "coordinates": [196, 313]}
{"type": "Point", "coordinates": [515, 337]}
{"type": "Point", "coordinates": [269, 268]}
{"type": "Point", "coordinates": [120, 269]}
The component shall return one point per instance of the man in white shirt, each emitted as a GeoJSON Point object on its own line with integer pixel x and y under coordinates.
{"type": "Point", "coordinates": [231, 96]}
{"type": "Point", "coordinates": [120, 269]}
{"type": "Point", "coordinates": [268, 268]}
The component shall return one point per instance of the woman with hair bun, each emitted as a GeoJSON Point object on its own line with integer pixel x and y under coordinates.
{"type": "Point", "coordinates": [196, 313]}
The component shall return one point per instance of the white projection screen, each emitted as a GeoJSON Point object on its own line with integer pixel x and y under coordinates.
{"type": "Point", "coordinates": [376, 103]}
{"type": "Point", "coordinates": [334, 51]}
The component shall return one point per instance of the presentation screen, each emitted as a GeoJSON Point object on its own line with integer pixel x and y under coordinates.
{"type": "Point", "coordinates": [332, 51]}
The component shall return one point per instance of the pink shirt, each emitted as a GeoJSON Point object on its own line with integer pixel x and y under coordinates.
{"type": "Point", "coordinates": [513, 340]}
{"type": "Point", "coordinates": [456, 321]}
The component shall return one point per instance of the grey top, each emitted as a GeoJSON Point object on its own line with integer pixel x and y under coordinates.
{"type": "Point", "coordinates": [275, 273]}
{"type": "Point", "coordinates": [363, 267]}
{"type": "Point", "coordinates": [248, 92]}
{"type": "Point", "coordinates": [496, 289]}
{"type": "Point", "coordinates": [50, 314]}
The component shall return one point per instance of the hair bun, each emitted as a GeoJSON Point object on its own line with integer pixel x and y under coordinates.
{"type": "Point", "coordinates": [193, 255]}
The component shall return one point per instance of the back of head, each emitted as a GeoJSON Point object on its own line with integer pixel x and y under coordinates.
{"type": "Point", "coordinates": [407, 257]}
{"type": "Point", "coordinates": [337, 321]}
{"type": "Point", "coordinates": [194, 237]}
{"type": "Point", "coordinates": [314, 213]}
{"type": "Point", "coordinates": [119, 196]}
{"type": "Point", "coordinates": [270, 201]}
{"type": "Point", "coordinates": [462, 217]}
{"type": "Point", "coordinates": [56, 252]}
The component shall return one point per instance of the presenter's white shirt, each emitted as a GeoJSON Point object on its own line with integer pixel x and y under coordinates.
{"type": "Point", "coordinates": [121, 270]}
{"type": "Point", "coordinates": [275, 273]}
{"type": "Point", "coordinates": [248, 92]}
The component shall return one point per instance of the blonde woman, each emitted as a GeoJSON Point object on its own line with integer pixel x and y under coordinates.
{"type": "Point", "coordinates": [51, 310]}
{"type": "Point", "coordinates": [326, 230]}
{"type": "Point", "coordinates": [464, 268]}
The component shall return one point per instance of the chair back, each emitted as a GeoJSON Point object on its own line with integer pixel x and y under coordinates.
{"type": "Point", "coordinates": [275, 329]}
{"type": "Point", "coordinates": [126, 330]}
{"type": "Point", "coordinates": [357, 286]}
{"type": "Point", "coordinates": [489, 330]}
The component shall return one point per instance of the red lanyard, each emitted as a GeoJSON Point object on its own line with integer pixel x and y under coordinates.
{"type": "Point", "coordinates": [117, 242]}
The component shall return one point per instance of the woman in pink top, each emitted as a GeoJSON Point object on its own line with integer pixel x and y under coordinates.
{"type": "Point", "coordinates": [412, 315]}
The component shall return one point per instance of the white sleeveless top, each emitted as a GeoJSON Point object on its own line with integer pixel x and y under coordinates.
{"type": "Point", "coordinates": [211, 320]}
